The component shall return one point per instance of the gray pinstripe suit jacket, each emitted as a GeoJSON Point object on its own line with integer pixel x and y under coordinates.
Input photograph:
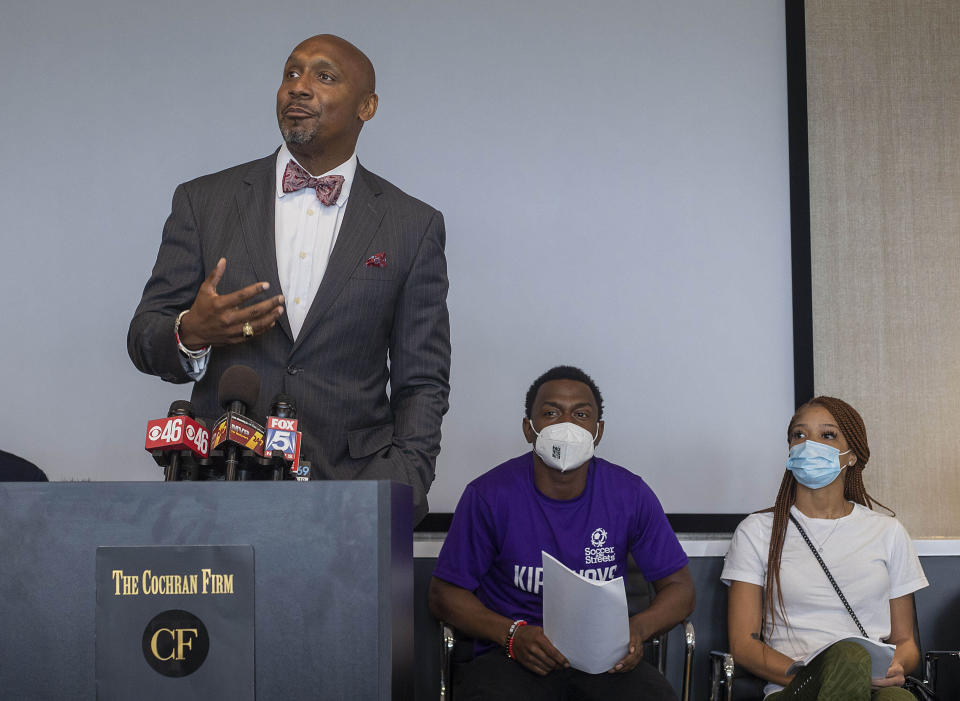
{"type": "Point", "coordinates": [337, 368]}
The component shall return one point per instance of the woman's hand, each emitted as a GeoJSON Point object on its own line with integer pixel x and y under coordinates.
{"type": "Point", "coordinates": [895, 677]}
{"type": "Point", "coordinates": [906, 656]}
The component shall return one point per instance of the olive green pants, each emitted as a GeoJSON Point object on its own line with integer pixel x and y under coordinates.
{"type": "Point", "coordinates": [840, 673]}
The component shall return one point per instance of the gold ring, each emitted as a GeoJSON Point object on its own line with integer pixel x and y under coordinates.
{"type": "Point", "coordinates": [247, 329]}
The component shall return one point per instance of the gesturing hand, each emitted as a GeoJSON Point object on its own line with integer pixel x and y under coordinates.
{"type": "Point", "coordinates": [216, 320]}
{"type": "Point", "coordinates": [533, 650]}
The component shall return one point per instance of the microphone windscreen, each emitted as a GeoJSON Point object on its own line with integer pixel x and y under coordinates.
{"type": "Point", "coordinates": [181, 407]}
{"type": "Point", "coordinates": [238, 384]}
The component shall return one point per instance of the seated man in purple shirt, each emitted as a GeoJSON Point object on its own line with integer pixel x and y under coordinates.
{"type": "Point", "coordinates": [583, 510]}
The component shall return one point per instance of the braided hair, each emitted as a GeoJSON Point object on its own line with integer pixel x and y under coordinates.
{"type": "Point", "coordinates": [853, 429]}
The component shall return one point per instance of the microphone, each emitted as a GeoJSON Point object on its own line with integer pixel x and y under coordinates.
{"type": "Point", "coordinates": [238, 390]}
{"type": "Point", "coordinates": [168, 438]}
{"type": "Point", "coordinates": [282, 434]}
{"type": "Point", "coordinates": [283, 406]}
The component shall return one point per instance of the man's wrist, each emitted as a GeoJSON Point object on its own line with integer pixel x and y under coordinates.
{"type": "Point", "coordinates": [637, 627]}
{"type": "Point", "coordinates": [189, 352]}
{"type": "Point", "coordinates": [511, 633]}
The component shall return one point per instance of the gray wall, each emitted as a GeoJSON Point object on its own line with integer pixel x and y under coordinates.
{"type": "Point", "coordinates": [614, 179]}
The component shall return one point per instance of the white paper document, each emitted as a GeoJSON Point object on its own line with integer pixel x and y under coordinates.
{"type": "Point", "coordinates": [585, 619]}
{"type": "Point", "coordinates": [881, 655]}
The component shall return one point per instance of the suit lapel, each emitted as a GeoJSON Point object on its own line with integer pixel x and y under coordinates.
{"type": "Point", "coordinates": [256, 202]}
{"type": "Point", "coordinates": [360, 224]}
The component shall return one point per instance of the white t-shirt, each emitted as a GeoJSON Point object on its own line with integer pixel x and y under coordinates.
{"type": "Point", "coordinates": [869, 554]}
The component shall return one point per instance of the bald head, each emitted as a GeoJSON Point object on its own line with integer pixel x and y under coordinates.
{"type": "Point", "coordinates": [364, 67]}
{"type": "Point", "coordinates": [326, 96]}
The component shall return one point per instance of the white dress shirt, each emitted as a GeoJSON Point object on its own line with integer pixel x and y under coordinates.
{"type": "Point", "coordinates": [305, 233]}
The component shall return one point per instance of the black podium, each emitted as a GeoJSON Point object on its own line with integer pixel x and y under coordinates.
{"type": "Point", "coordinates": [333, 566]}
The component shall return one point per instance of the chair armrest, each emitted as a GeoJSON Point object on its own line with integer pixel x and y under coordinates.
{"type": "Point", "coordinates": [931, 660]}
{"type": "Point", "coordinates": [722, 668]}
{"type": "Point", "coordinates": [447, 641]}
{"type": "Point", "coordinates": [659, 643]}
{"type": "Point", "coordinates": [690, 643]}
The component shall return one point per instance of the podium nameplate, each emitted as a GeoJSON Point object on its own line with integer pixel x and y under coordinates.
{"type": "Point", "coordinates": [175, 622]}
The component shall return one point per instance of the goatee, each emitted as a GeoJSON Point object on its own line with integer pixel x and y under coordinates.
{"type": "Point", "coordinates": [297, 135]}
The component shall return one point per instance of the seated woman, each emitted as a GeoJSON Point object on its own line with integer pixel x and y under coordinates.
{"type": "Point", "coordinates": [782, 604]}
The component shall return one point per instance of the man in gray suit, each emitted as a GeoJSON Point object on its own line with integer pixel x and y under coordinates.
{"type": "Point", "coordinates": [360, 271]}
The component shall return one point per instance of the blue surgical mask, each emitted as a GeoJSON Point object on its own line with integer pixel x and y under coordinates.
{"type": "Point", "coordinates": [813, 464]}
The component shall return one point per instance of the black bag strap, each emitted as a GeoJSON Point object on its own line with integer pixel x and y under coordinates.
{"type": "Point", "coordinates": [829, 576]}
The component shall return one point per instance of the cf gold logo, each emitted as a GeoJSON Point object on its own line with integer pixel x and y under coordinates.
{"type": "Point", "coordinates": [175, 643]}
{"type": "Point", "coordinates": [183, 637]}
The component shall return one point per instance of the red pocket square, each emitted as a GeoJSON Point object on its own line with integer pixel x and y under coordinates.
{"type": "Point", "coordinates": [377, 260]}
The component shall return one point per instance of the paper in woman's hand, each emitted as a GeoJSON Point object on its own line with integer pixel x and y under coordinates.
{"type": "Point", "coordinates": [881, 655]}
{"type": "Point", "coordinates": [586, 620]}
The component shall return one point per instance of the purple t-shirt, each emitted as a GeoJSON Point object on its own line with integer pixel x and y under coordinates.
{"type": "Point", "coordinates": [502, 523]}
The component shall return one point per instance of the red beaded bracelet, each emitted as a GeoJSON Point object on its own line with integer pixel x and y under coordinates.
{"type": "Point", "coordinates": [513, 631]}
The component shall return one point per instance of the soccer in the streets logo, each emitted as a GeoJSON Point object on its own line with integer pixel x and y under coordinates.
{"type": "Point", "coordinates": [598, 538]}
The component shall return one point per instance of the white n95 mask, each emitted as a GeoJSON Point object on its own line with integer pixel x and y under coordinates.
{"type": "Point", "coordinates": [564, 446]}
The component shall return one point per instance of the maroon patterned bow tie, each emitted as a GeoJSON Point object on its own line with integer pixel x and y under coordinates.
{"type": "Point", "coordinates": [328, 187]}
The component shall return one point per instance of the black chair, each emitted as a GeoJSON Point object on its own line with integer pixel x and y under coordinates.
{"type": "Point", "coordinates": [729, 683]}
{"type": "Point", "coordinates": [723, 671]}
{"type": "Point", "coordinates": [942, 663]}
{"type": "Point", "coordinates": [457, 650]}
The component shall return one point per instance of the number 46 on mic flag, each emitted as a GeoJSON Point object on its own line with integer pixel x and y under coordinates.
{"type": "Point", "coordinates": [178, 433]}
